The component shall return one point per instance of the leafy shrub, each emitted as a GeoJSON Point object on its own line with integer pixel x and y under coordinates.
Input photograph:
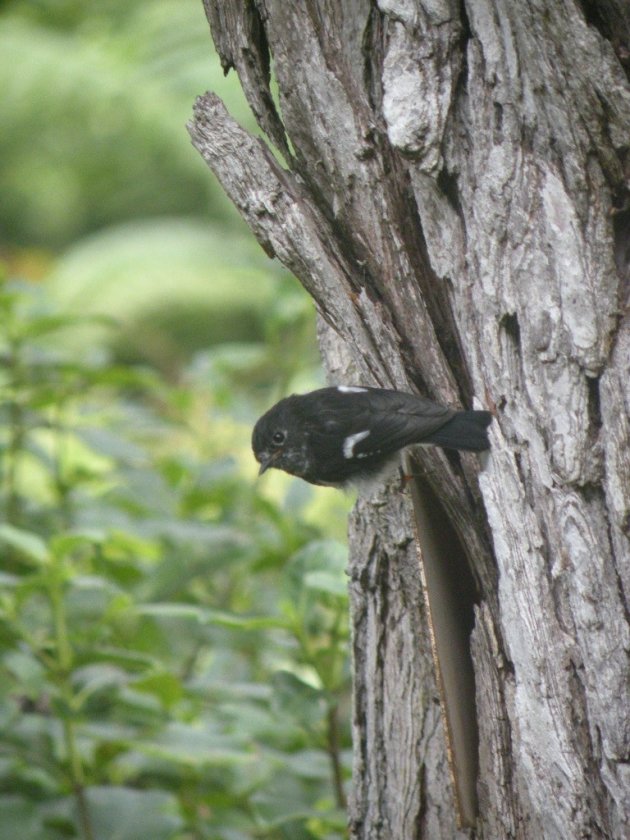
{"type": "Point", "coordinates": [173, 642]}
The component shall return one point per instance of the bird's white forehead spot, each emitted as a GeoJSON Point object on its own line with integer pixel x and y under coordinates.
{"type": "Point", "coordinates": [351, 389]}
{"type": "Point", "coordinates": [351, 441]}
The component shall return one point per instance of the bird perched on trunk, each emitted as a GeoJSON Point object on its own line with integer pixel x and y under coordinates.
{"type": "Point", "coordinates": [352, 435]}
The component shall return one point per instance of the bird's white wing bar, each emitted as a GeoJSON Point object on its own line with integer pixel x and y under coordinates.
{"type": "Point", "coordinates": [351, 389]}
{"type": "Point", "coordinates": [351, 441]}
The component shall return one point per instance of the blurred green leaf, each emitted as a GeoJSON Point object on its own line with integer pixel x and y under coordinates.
{"type": "Point", "coordinates": [97, 677]}
{"type": "Point", "coordinates": [284, 804]}
{"type": "Point", "coordinates": [295, 699]}
{"type": "Point", "coordinates": [22, 818]}
{"type": "Point", "coordinates": [326, 582]}
{"type": "Point", "coordinates": [46, 324]}
{"type": "Point", "coordinates": [28, 673]}
{"type": "Point", "coordinates": [196, 746]}
{"type": "Point", "coordinates": [210, 616]}
{"type": "Point", "coordinates": [165, 686]}
{"type": "Point", "coordinates": [131, 659]}
{"type": "Point", "coordinates": [310, 764]}
{"type": "Point", "coordinates": [26, 543]}
{"type": "Point", "coordinates": [118, 813]}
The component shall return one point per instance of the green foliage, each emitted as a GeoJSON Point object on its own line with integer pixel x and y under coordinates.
{"type": "Point", "coordinates": [173, 634]}
{"type": "Point", "coordinates": [98, 166]}
{"type": "Point", "coordinates": [214, 287]}
{"type": "Point", "coordinates": [95, 98]}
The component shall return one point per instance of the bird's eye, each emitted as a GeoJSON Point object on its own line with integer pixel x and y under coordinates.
{"type": "Point", "coordinates": [278, 438]}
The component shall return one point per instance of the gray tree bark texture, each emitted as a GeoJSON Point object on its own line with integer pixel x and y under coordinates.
{"type": "Point", "coordinates": [449, 181]}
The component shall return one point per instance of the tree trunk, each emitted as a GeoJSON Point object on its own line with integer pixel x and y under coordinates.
{"type": "Point", "coordinates": [453, 195]}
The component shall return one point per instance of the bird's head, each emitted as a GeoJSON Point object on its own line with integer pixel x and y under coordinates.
{"type": "Point", "coordinates": [279, 440]}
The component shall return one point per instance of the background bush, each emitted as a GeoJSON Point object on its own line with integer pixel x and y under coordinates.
{"type": "Point", "coordinates": [173, 632]}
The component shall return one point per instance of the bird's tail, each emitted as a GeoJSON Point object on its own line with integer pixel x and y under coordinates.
{"type": "Point", "coordinates": [465, 430]}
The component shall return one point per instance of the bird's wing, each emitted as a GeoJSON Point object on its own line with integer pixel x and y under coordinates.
{"type": "Point", "coordinates": [394, 419]}
{"type": "Point", "coordinates": [395, 425]}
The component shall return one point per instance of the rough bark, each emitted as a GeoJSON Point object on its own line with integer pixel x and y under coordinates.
{"type": "Point", "coordinates": [454, 196]}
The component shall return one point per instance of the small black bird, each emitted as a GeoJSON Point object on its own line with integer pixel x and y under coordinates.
{"type": "Point", "coordinates": [350, 435]}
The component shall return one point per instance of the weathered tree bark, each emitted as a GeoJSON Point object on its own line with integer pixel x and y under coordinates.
{"type": "Point", "coordinates": [454, 196]}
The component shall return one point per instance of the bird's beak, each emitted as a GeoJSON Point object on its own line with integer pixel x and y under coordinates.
{"type": "Point", "coordinates": [265, 462]}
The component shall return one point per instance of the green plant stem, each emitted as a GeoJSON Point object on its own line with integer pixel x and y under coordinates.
{"type": "Point", "coordinates": [64, 668]}
{"type": "Point", "coordinates": [78, 779]}
{"type": "Point", "coordinates": [334, 753]}
{"type": "Point", "coordinates": [338, 649]}
{"type": "Point", "coordinates": [61, 484]}
{"type": "Point", "coordinates": [331, 681]}
{"type": "Point", "coordinates": [15, 443]}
